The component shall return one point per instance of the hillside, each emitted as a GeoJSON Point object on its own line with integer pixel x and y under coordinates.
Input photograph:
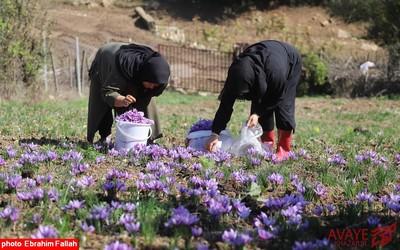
{"type": "Point", "coordinates": [309, 28]}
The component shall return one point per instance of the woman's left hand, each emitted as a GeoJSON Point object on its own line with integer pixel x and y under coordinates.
{"type": "Point", "coordinates": [253, 121]}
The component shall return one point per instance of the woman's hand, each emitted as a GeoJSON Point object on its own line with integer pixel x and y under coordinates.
{"type": "Point", "coordinates": [253, 121]}
{"type": "Point", "coordinates": [211, 143]}
{"type": "Point", "coordinates": [124, 101]}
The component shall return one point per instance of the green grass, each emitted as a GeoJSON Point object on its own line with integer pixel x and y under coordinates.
{"type": "Point", "coordinates": [327, 129]}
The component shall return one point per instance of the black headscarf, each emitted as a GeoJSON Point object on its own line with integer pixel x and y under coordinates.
{"type": "Point", "coordinates": [138, 63]}
{"type": "Point", "coordinates": [246, 76]}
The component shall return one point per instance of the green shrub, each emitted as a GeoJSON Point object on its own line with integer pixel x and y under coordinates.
{"type": "Point", "coordinates": [315, 76]}
{"type": "Point", "coordinates": [21, 27]}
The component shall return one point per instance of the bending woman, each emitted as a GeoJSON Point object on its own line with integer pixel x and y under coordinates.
{"type": "Point", "coordinates": [267, 74]}
{"type": "Point", "coordinates": [122, 77]}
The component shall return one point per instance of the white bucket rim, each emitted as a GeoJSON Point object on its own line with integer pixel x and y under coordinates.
{"type": "Point", "coordinates": [134, 123]}
{"type": "Point", "coordinates": [131, 137]}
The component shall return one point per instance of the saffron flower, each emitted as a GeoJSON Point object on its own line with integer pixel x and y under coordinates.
{"type": "Point", "coordinates": [196, 231]}
{"type": "Point", "coordinates": [134, 116]}
{"type": "Point", "coordinates": [202, 124]}
{"type": "Point", "coordinates": [10, 213]}
{"type": "Point", "coordinates": [235, 238]}
{"type": "Point", "coordinates": [262, 220]}
{"type": "Point", "coordinates": [86, 228]}
{"type": "Point", "coordinates": [181, 216]}
{"type": "Point", "coordinates": [53, 194]}
{"type": "Point", "coordinates": [73, 205]}
{"type": "Point", "coordinates": [373, 221]}
{"type": "Point", "coordinates": [45, 232]}
{"type": "Point", "coordinates": [276, 178]}
{"type": "Point", "coordinates": [2, 162]}
{"type": "Point", "coordinates": [264, 234]}
{"type": "Point", "coordinates": [118, 246]}
{"type": "Point", "coordinates": [320, 189]}
{"type": "Point", "coordinates": [364, 196]}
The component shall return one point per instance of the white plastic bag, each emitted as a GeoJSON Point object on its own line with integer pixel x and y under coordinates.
{"type": "Point", "coordinates": [197, 140]}
{"type": "Point", "coordinates": [249, 138]}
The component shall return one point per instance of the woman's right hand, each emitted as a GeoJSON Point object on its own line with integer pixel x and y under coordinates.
{"type": "Point", "coordinates": [211, 143]}
{"type": "Point", "coordinates": [124, 101]}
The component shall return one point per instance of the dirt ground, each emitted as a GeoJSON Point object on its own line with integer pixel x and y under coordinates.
{"type": "Point", "coordinates": [307, 27]}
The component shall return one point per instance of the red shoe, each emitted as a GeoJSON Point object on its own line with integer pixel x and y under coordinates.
{"type": "Point", "coordinates": [283, 147]}
{"type": "Point", "coordinates": [267, 140]}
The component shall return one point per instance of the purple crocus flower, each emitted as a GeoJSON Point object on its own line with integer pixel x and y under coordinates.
{"type": "Point", "coordinates": [85, 182]}
{"type": "Point", "coordinates": [86, 228]}
{"type": "Point", "coordinates": [51, 155]}
{"type": "Point", "coordinates": [38, 194]}
{"type": "Point", "coordinates": [196, 231]}
{"type": "Point", "coordinates": [113, 152]}
{"type": "Point", "coordinates": [318, 210]}
{"type": "Point", "coordinates": [397, 158]}
{"type": "Point", "coordinates": [127, 218]}
{"type": "Point", "coordinates": [263, 221]}
{"type": "Point", "coordinates": [394, 206]}
{"type": "Point", "coordinates": [2, 162]}
{"type": "Point", "coordinates": [304, 245]}
{"type": "Point", "coordinates": [36, 219]}
{"type": "Point", "coordinates": [132, 227]}
{"type": "Point", "coordinates": [294, 220]}
{"type": "Point", "coordinates": [181, 216]}
{"type": "Point", "coordinates": [130, 207]}
{"type": "Point", "coordinates": [99, 213]}
{"type": "Point", "coordinates": [291, 211]}
{"type": "Point", "coordinates": [45, 232]}
{"type": "Point", "coordinates": [276, 178]}
{"type": "Point", "coordinates": [243, 211]}
{"type": "Point", "coordinates": [373, 221]}
{"type": "Point", "coordinates": [24, 196]}
{"type": "Point", "coordinates": [234, 238]}
{"type": "Point", "coordinates": [331, 208]}
{"type": "Point", "coordinates": [264, 234]}
{"type": "Point", "coordinates": [11, 152]}
{"type": "Point", "coordinates": [202, 124]}
{"type": "Point", "coordinates": [134, 116]}
{"type": "Point", "coordinates": [201, 247]}
{"type": "Point", "coordinates": [100, 159]}
{"type": "Point", "coordinates": [73, 205]}
{"type": "Point", "coordinates": [338, 160]}
{"type": "Point", "coordinates": [10, 213]}
{"type": "Point", "coordinates": [197, 167]}
{"type": "Point", "coordinates": [118, 246]}
{"type": "Point", "coordinates": [53, 194]}
{"type": "Point", "coordinates": [324, 244]}
{"type": "Point", "coordinates": [320, 189]}
{"type": "Point", "coordinates": [364, 196]}
{"type": "Point", "coordinates": [14, 181]}
{"type": "Point", "coordinates": [116, 205]}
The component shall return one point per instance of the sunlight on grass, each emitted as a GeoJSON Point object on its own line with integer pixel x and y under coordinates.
{"type": "Point", "coordinates": [343, 173]}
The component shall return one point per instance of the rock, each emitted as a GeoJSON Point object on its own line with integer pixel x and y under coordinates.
{"type": "Point", "coordinates": [325, 23]}
{"type": "Point", "coordinates": [343, 34]}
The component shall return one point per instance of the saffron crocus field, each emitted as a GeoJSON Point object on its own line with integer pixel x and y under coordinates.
{"type": "Point", "coordinates": [340, 189]}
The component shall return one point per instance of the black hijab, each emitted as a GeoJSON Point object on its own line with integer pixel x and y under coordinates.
{"type": "Point", "coordinates": [138, 63]}
{"type": "Point", "coordinates": [246, 76]}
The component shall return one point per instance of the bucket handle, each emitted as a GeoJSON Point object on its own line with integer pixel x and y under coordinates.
{"type": "Point", "coordinates": [131, 137]}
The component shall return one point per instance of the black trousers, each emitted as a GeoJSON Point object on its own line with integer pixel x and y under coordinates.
{"type": "Point", "coordinates": [284, 114]}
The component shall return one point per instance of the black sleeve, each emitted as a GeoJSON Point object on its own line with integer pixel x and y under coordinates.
{"type": "Point", "coordinates": [224, 112]}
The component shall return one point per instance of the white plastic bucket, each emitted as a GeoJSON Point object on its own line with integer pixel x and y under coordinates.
{"type": "Point", "coordinates": [129, 134]}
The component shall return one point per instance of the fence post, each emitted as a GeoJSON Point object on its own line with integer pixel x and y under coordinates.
{"type": "Point", "coordinates": [78, 68]}
{"type": "Point", "coordinates": [45, 62]}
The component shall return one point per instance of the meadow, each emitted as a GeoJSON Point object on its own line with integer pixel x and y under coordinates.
{"type": "Point", "coordinates": [340, 188]}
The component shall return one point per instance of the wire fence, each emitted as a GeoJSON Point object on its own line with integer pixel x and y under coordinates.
{"type": "Point", "coordinates": [196, 69]}
{"type": "Point", "coordinates": [202, 70]}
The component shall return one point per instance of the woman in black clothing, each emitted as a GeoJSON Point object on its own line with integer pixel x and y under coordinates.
{"type": "Point", "coordinates": [267, 74]}
{"type": "Point", "coordinates": [122, 77]}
